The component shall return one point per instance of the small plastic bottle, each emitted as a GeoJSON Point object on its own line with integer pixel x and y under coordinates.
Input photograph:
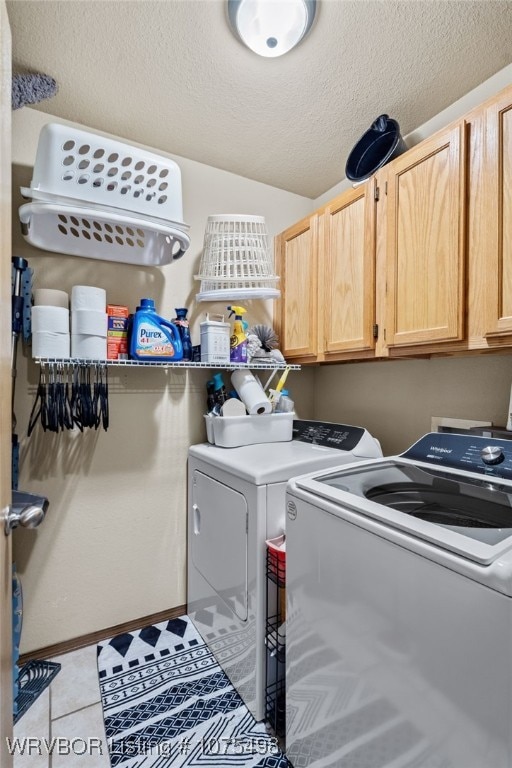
{"type": "Point", "coordinates": [220, 393]}
{"type": "Point", "coordinates": [285, 404]}
{"type": "Point", "coordinates": [183, 327]}
{"type": "Point", "coordinates": [210, 395]}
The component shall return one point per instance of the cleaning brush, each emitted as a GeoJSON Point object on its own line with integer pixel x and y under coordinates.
{"type": "Point", "coordinates": [266, 335]}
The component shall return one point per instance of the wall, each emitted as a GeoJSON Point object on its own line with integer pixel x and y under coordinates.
{"type": "Point", "coordinates": [396, 399]}
{"type": "Point", "coordinates": [113, 546]}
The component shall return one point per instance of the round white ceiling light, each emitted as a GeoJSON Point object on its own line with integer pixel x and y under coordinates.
{"type": "Point", "coordinates": [271, 27]}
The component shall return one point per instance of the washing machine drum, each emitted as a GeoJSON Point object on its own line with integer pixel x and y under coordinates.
{"type": "Point", "coordinates": [449, 503]}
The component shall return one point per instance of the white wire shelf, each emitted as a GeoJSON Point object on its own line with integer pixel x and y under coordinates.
{"type": "Point", "coordinates": [271, 365]}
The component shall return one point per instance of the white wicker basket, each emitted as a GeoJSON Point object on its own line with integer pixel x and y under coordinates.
{"type": "Point", "coordinates": [115, 187]}
{"type": "Point", "coordinates": [237, 260]}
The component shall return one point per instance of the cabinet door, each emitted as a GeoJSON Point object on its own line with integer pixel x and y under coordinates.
{"type": "Point", "coordinates": [347, 271]}
{"type": "Point", "coordinates": [498, 215]}
{"type": "Point", "coordinates": [297, 310]}
{"type": "Point", "coordinates": [426, 242]}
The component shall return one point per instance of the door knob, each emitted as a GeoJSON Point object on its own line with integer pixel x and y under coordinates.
{"type": "Point", "coordinates": [27, 510]}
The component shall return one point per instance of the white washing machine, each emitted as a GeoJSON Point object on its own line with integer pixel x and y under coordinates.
{"type": "Point", "coordinates": [399, 615]}
{"type": "Point", "coordinates": [236, 502]}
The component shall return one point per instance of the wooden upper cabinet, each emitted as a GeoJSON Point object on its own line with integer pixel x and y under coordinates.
{"type": "Point", "coordinates": [347, 272]}
{"type": "Point", "coordinates": [296, 312]}
{"type": "Point", "coordinates": [498, 212]}
{"type": "Point", "coordinates": [428, 265]}
{"type": "Point", "coordinates": [425, 242]}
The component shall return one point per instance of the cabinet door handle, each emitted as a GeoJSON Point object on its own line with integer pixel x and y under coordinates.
{"type": "Point", "coordinates": [197, 519]}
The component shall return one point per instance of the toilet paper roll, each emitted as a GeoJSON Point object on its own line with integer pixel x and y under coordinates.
{"type": "Point", "coordinates": [50, 344]}
{"type": "Point", "coordinates": [233, 407]}
{"type": "Point", "coordinates": [88, 347]}
{"type": "Point", "coordinates": [54, 319]}
{"type": "Point", "coordinates": [89, 321]}
{"type": "Point", "coordinates": [250, 392]}
{"type": "Point", "coordinates": [51, 297]}
{"type": "Point", "coordinates": [88, 297]}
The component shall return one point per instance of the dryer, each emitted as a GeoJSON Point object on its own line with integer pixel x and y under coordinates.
{"type": "Point", "coordinates": [236, 500]}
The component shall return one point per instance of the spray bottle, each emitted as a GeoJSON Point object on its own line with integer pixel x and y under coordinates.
{"type": "Point", "coordinates": [238, 341]}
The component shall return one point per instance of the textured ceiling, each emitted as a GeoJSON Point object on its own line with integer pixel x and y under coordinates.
{"type": "Point", "coordinates": [172, 76]}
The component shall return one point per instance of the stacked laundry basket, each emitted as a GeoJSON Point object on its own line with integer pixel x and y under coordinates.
{"type": "Point", "coordinates": [97, 197]}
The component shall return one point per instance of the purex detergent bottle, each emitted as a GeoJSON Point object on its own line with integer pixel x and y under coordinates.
{"type": "Point", "coordinates": [153, 337]}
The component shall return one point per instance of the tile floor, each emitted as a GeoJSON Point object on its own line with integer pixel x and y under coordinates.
{"type": "Point", "coordinates": [71, 709]}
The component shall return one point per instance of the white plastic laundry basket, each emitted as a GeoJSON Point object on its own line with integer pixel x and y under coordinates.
{"type": "Point", "coordinates": [237, 260]}
{"type": "Point", "coordinates": [78, 165]}
{"type": "Point", "coordinates": [115, 201]}
{"type": "Point", "coordinates": [99, 234]}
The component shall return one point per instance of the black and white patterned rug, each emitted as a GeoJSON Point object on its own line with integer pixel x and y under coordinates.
{"type": "Point", "coordinates": [166, 702]}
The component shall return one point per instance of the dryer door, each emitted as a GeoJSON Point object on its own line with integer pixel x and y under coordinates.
{"type": "Point", "coordinates": [219, 540]}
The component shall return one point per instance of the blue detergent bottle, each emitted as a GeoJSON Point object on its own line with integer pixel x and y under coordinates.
{"type": "Point", "coordinates": [181, 323]}
{"type": "Point", "coordinates": [153, 337]}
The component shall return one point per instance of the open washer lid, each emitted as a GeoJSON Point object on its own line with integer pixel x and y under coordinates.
{"type": "Point", "coordinates": [465, 515]}
{"type": "Point", "coordinates": [440, 490]}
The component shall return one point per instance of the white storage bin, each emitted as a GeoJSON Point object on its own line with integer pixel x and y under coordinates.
{"type": "Point", "coordinates": [209, 428]}
{"type": "Point", "coordinates": [235, 431]}
{"type": "Point", "coordinates": [215, 339]}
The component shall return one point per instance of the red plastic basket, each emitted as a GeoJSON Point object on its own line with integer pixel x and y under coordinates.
{"type": "Point", "coordinates": [276, 549]}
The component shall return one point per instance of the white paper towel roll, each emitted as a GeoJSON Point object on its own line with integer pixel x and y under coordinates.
{"type": "Point", "coordinates": [88, 347]}
{"type": "Point", "coordinates": [89, 321]}
{"type": "Point", "coordinates": [51, 297]}
{"type": "Point", "coordinates": [88, 297]}
{"type": "Point", "coordinates": [54, 319]}
{"type": "Point", "coordinates": [50, 344]}
{"type": "Point", "coordinates": [251, 392]}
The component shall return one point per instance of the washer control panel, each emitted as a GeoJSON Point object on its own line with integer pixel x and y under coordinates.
{"type": "Point", "coordinates": [483, 455]}
{"type": "Point", "coordinates": [327, 434]}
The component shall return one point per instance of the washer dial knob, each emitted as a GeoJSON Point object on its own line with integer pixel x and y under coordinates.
{"type": "Point", "coordinates": [492, 454]}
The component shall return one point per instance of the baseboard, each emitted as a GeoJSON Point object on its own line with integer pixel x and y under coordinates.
{"type": "Point", "coordinates": [102, 634]}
